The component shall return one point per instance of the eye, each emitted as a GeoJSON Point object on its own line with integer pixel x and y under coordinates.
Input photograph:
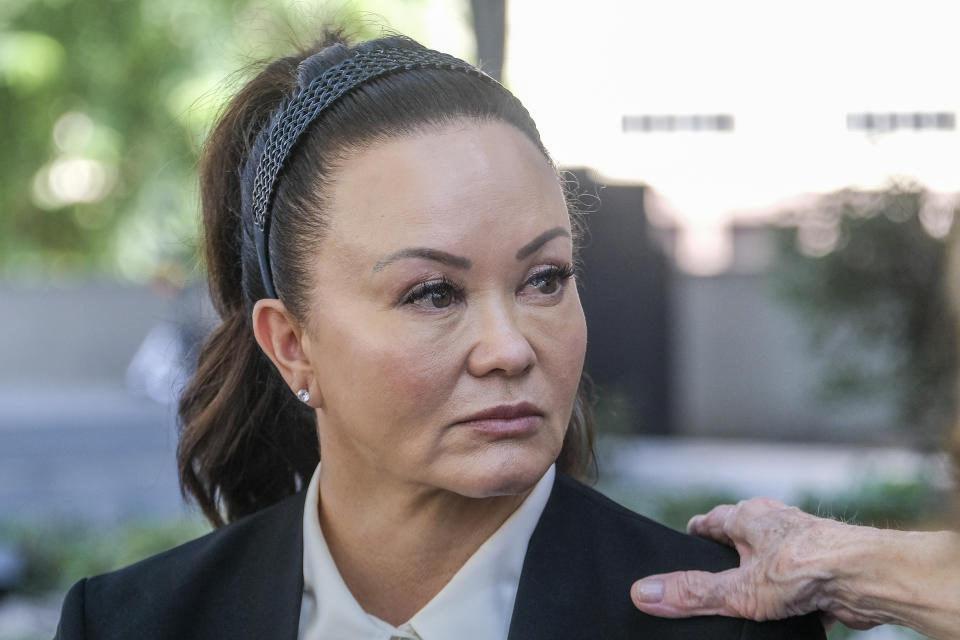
{"type": "Point", "coordinates": [433, 295]}
{"type": "Point", "coordinates": [549, 280]}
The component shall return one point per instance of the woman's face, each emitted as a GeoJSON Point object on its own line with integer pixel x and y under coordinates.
{"type": "Point", "coordinates": [445, 333]}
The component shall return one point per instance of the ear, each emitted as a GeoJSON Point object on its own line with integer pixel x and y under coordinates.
{"type": "Point", "coordinates": [283, 340]}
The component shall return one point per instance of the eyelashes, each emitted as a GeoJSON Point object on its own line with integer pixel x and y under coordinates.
{"type": "Point", "coordinates": [442, 292]}
{"type": "Point", "coordinates": [551, 278]}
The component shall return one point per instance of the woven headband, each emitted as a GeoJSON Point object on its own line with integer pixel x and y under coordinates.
{"type": "Point", "coordinates": [308, 103]}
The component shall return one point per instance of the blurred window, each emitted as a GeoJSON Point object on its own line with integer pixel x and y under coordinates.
{"type": "Point", "coordinates": [669, 123]}
{"type": "Point", "coordinates": [888, 122]}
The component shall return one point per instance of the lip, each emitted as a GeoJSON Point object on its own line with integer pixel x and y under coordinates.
{"type": "Point", "coordinates": [507, 420]}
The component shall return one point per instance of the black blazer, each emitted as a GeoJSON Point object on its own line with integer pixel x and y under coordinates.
{"type": "Point", "coordinates": [246, 581]}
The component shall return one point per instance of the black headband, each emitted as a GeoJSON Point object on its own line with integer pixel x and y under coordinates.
{"type": "Point", "coordinates": [293, 118]}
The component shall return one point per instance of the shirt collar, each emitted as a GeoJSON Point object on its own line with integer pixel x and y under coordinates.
{"type": "Point", "coordinates": [478, 601]}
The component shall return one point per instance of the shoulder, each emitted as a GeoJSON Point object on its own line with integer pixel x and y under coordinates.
{"type": "Point", "coordinates": [619, 531]}
{"type": "Point", "coordinates": [191, 584]}
{"type": "Point", "coordinates": [233, 550]}
{"type": "Point", "coordinates": [588, 550]}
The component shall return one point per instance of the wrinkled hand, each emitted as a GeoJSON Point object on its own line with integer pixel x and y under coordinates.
{"type": "Point", "coordinates": [781, 572]}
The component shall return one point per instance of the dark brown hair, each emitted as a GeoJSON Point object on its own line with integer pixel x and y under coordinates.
{"type": "Point", "coordinates": [245, 440]}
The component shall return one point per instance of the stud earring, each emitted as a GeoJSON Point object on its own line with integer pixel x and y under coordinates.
{"type": "Point", "coordinates": [304, 395]}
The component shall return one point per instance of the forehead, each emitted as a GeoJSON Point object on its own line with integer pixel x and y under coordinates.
{"type": "Point", "coordinates": [445, 186]}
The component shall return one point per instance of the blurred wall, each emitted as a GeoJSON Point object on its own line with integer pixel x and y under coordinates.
{"type": "Point", "coordinates": [742, 367]}
{"type": "Point", "coordinates": [624, 288]}
{"type": "Point", "coordinates": [74, 441]}
{"type": "Point", "coordinates": [709, 356]}
{"type": "Point", "coordinates": [703, 356]}
{"type": "Point", "coordinates": [84, 334]}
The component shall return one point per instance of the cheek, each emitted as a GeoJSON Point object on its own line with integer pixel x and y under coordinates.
{"type": "Point", "coordinates": [384, 374]}
{"type": "Point", "coordinates": [566, 345]}
{"type": "Point", "coordinates": [575, 353]}
{"type": "Point", "coordinates": [415, 378]}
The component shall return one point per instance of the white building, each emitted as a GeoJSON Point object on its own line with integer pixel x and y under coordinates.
{"type": "Point", "coordinates": [727, 109]}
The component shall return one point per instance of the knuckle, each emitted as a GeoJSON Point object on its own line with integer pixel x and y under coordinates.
{"type": "Point", "coordinates": [690, 588]}
{"type": "Point", "coordinates": [695, 590]}
{"type": "Point", "coordinates": [733, 515]}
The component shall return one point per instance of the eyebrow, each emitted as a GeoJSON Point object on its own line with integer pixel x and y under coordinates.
{"type": "Point", "coordinates": [541, 240]}
{"type": "Point", "coordinates": [428, 254]}
{"type": "Point", "coordinates": [464, 263]}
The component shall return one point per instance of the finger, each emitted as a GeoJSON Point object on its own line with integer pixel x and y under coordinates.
{"type": "Point", "coordinates": [686, 593]}
{"type": "Point", "coordinates": [713, 524]}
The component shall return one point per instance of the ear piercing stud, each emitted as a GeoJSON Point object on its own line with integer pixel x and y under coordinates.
{"type": "Point", "coordinates": [304, 395]}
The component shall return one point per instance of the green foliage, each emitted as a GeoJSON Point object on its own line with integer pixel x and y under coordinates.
{"type": "Point", "coordinates": [677, 510]}
{"type": "Point", "coordinates": [910, 504]}
{"type": "Point", "coordinates": [841, 632]}
{"type": "Point", "coordinates": [105, 104]}
{"type": "Point", "coordinates": [58, 554]}
{"type": "Point", "coordinates": [906, 504]}
{"type": "Point", "coordinates": [867, 277]}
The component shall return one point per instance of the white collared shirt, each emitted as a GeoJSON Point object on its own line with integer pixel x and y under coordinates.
{"type": "Point", "coordinates": [477, 603]}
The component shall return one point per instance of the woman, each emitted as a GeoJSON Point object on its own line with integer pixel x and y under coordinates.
{"type": "Point", "coordinates": [390, 250]}
{"type": "Point", "coordinates": [794, 563]}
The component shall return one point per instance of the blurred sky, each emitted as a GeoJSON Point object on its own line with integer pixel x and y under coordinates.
{"type": "Point", "coordinates": [790, 74]}
{"type": "Point", "coordinates": [788, 77]}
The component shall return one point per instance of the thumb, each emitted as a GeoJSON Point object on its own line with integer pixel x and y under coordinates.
{"type": "Point", "coordinates": [683, 594]}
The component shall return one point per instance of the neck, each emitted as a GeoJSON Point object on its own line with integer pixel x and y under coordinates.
{"type": "Point", "coordinates": [396, 546]}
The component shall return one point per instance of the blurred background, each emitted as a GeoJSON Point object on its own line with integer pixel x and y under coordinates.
{"type": "Point", "coordinates": [771, 278]}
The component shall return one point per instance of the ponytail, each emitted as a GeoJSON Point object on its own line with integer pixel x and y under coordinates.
{"type": "Point", "coordinates": [245, 441]}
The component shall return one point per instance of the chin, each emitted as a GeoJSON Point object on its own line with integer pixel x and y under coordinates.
{"type": "Point", "coordinates": [503, 477]}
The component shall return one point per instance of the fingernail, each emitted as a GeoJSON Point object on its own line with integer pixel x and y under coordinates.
{"type": "Point", "coordinates": [650, 591]}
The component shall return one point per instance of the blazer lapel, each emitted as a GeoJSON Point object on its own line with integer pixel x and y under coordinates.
{"type": "Point", "coordinates": [556, 593]}
{"type": "Point", "coordinates": [265, 591]}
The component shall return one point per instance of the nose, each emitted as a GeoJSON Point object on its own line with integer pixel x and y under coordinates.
{"type": "Point", "coordinates": [501, 347]}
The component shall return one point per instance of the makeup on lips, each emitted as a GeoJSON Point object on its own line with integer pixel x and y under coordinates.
{"type": "Point", "coordinates": [505, 420]}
